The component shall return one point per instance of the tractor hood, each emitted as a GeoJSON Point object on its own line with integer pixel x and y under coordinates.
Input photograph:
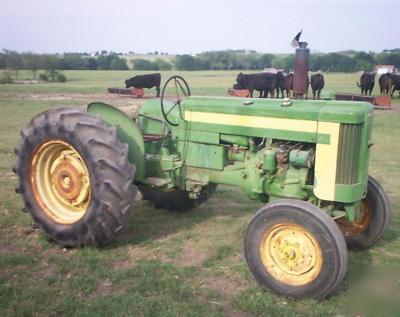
{"type": "Point", "coordinates": [313, 110]}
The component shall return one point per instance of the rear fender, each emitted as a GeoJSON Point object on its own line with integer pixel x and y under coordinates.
{"type": "Point", "coordinates": [127, 132]}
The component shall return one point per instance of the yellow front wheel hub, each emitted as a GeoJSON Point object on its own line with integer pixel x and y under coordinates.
{"type": "Point", "coordinates": [291, 254]}
{"type": "Point", "coordinates": [60, 181]}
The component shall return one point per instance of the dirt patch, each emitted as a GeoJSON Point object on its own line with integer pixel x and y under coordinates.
{"type": "Point", "coordinates": [105, 288]}
{"type": "Point", "coordinates": [224, 303]}
{"type": "Point", "coordinates": [135, 254]}
{"type": "Point", "coordinates": [114, 99]}
{"type": "Point", "coordinates": [6, 248]}
{"type": "Point", "coordinates": [46, 270]}
{"type": "Point", "coordinates": [230, 312]}
{"type": "Point", "coordinates": [227, 286]}
{"type": "Point", "coordinates": [191, 255]}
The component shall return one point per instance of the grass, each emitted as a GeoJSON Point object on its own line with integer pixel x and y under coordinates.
{"type": "Point", "coordinates": [165, 263]}
{"type": "Point", "coordinates": [201, 82]}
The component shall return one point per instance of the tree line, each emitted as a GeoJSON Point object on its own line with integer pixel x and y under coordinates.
{"type": "Point", "coordinates": [53, 63]}
{"type": "Point", "coordinates": [347, 61]}
{"type": "Point", "coordinates": [331, 62]}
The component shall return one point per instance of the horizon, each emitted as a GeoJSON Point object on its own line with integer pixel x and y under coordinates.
{"type": "Point", "coordinates": [163, 53]}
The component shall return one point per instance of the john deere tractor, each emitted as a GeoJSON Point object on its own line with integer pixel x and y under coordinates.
{"type": "Point", "coordinates": [79, 172]}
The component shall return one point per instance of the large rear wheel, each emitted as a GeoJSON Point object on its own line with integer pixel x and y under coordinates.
{"type": "Point", "coordinates": [373, 219]}
{"type": "Point", "coordinates": [295, 249]}
{"type": "Point", "coordinates": [75, 177]}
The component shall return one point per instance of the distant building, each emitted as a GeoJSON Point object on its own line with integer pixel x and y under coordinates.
{"type": "Point", "coordinates": [273, 70]}
{"type": "Point", "coordinates": [383, 69]}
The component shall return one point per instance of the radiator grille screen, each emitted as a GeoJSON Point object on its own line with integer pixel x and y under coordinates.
{"type": "Point", "coordinates": [348, 154]}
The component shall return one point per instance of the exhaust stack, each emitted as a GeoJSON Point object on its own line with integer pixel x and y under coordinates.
{"type": "Point", "coordinates": [301, 66]}
{"type": "Point", "coordinates": [300, 77]}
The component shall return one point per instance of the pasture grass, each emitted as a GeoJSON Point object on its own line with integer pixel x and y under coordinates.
{"type": "Point", "coordinates": [201, 82]}
{"type": "Point", "coordinates": [165, 263]}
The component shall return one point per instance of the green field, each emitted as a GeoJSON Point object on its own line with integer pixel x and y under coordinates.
{"type": "Point", "coordinates": [168, 263]}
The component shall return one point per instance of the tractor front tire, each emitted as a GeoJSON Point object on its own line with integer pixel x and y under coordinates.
{"type": "Point", "coordinates": [296, 250]}
{"type": "Point", "coordinates": [75, 177]}
{"type": "Point", "coordinates": [373, 221]}
{"type": "Point", "coordinates": [176, 200]}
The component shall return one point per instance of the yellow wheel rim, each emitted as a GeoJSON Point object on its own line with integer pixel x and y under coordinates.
{"type": "Point", "coordinates": [291, 254]}
{"type": "Point", "coordinates": [60, 181]}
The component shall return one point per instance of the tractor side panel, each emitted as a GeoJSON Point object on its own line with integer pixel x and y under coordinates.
{"type": "Point", "coordinates": [127, 131]}
{"type": "Point", "coordinates": [203, 155]}
{"type": "Point", "coordinates": [325, 162]}
{"type": "Point", "coordinates": [257, 126]}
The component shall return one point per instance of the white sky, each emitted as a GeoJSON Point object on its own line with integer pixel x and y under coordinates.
{"type": "Point", "coordinates": [178, 26]}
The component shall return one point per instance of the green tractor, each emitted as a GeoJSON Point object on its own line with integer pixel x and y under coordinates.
{"type": "Point", "coordinates": [79, 172]}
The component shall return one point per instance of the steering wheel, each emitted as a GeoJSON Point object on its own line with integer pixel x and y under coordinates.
{"type": "Point", "coordinates": [181, 90]}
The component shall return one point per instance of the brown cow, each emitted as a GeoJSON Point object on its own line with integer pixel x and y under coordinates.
{"type": "Point", "coordinates": [288, 84]}
{"type": "Point", "coordinates": [284, 82]}
{"type": "Point", "coordinates": [367, 83]}
{"type": "Point", "coordinates": [386, 83]}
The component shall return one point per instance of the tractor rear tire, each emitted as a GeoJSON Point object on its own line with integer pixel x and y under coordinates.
{"type": "Point", "coordinates": [176, 200]}
{"type": "Point", "coordinates": [369, 229]}
{"type": "Point", "coordinates": [296, 250]}
{"type": "Point", "coordinates": [75, 177]}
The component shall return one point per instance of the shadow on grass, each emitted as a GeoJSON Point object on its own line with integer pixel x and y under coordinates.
{"type": "Point", "coordinates": [148, 224]}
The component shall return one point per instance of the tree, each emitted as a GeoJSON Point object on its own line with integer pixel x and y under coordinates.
{"type": "Point", "coordinates": [33, 62]}
{"type": "Point", "coordinates": [51, 63]}
{"type": "Point", "coordinates": [13, 61]}
{"type": "Point", "coordinates": [265, 60]}
{"type": "Point", "coordinates": [2, 61]}
{"type": "Point", "coordinates": [92, 63]}
{"type": "Point", "coordinates": [389, 58]}
{"type": "Point", "coordinates": [187, 62]}
{"type": "Point", "coordinates": [367, 57]}
{"type": "Point", "coordinates": [208, 60]}
{"type": "Point", "coordinates": [162, 64]}
{"type": "Point", "coordinates": [143, 64]}
{"type": "Point", "coordinates": [284, 62]}
{"type": "Point", "coordinates": [74, 61]}
{"type": "Point", "coordinates": [104, 62]}
{"type": "Point", "coordinates": [118, 64]}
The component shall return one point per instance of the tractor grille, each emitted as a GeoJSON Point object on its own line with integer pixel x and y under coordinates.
{"type": "Point", "coordinates": [348, 154]}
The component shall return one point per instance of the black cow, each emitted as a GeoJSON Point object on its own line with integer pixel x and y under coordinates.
{"type": "Point", "coordinates": [280, 83]}
{"type": "Point", "coordinates": [317, 84]}
{"type": "Point", "coordinates": [396, 84]}
{"type": "Point", "coordinates": [367, 83]}
{"type": "Point", "coordinates": [263, 82]}
{"type": "Point", "coordinates": [385, 84]}
{"type": "Point", "coordinates": [145, 81]}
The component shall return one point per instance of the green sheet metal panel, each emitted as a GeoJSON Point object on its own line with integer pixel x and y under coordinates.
{"type": "Point", "coordinates": [127, 132]}
{"type": "Point", "coordinates": [203, 155]}
{"type": "Point", "coordinates": [317, 110]}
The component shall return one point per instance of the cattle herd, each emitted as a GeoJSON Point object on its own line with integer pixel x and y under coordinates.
{"type": "Point", "coordinates": [388, 83]}
{"type": "Point", "coordinates": [267, 83]}
{"type": "Point", "coordinates": [280, 83]}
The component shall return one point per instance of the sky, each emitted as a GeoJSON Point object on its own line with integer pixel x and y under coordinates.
{"type": "Point", "coordinates": [178, 26]}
